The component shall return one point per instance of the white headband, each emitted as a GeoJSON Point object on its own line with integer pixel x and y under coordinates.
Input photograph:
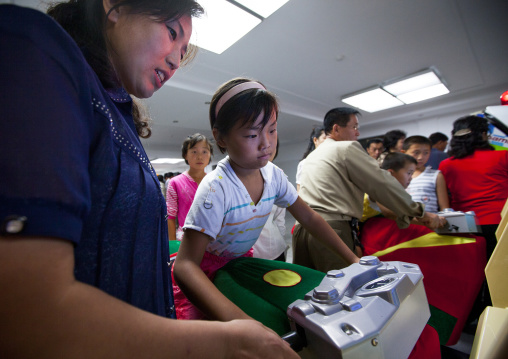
{"type": "Point", "coordinates": [236, 90]}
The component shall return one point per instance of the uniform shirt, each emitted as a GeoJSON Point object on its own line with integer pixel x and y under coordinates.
{"type": "Point", "coordinates": [95, 186]}
{"type": "Point", "coordinates": [223, 209]}
{"type": "Point", "coordinates": [338, 174]}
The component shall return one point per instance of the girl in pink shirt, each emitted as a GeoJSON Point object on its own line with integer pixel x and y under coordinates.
{"type": "Point", "coordinates": [197, 152]}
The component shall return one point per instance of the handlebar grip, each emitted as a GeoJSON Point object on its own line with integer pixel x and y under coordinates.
{"type": "Point", "coordinates": [295, 341]}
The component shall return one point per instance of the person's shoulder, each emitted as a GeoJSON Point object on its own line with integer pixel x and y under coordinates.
{"type": "Point", "coordinates": [33, 25]}
{"type": "Point", "coordinates": [38, 31]}
{"type": "Point", "coordinates": [354, 148]}
{"type": "Point", "coordinates": [271, 171]}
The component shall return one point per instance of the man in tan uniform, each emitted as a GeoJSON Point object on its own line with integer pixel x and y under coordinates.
{"type": "Point", "coordinates": [334, 179]}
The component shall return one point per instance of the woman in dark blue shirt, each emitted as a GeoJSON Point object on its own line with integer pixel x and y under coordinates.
{"type": "Point", "coordinates": [88, 234]}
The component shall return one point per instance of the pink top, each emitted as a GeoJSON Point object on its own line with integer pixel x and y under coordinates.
{"type": "Point", "coordinates": [179, 195]}
{"type": "Point", "coordinates": [478, 183]}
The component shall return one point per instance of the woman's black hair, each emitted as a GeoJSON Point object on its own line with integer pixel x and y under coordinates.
{"type": "Point", "coordinates": [85, 21]}
{"type": "Point", "coordinates": [243, 108]}
{"type": "Point", "coordinates": [468, 135]}
{"type": "Point", "coordinates": [315, 133]}
{"type": "Point", "coordinates": [391, 138]}
{"type": "Point", "coordinates": [191, 141]}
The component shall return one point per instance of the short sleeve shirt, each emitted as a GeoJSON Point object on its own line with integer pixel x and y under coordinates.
{"type": "Point", "coordinates": [94, 185]}
{"type": "Point", "coordinates": [223, 209]}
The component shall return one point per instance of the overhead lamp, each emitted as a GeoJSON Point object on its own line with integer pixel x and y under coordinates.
{"type": "Point", "coordinates": [167, 161]}
{"type": "Point", "coordinates": [222, 25]}
{"type": "Point", "coordinates": [372, 100]}
{"type": "Point", "coordinates": [264, 8]}
{"type": "Point", "coordinates": [420, 86]}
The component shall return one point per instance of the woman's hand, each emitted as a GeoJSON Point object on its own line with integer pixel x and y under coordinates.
{"type": "Point", "coordinates": [251, 339]}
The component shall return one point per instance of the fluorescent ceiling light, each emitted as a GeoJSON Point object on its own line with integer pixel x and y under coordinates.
{"type": "Point", "coordinates": [264, 8]}
{"type": "Point", "coordinates": [424, 94]}
{"type": "Point", "coordinates": [170, 161]}
{"type": "Point", "coordinates": [221, 26]}
{"type": "Point", "coordinates": [419, 87]}
{"type": "Point", "coordinates": [413, 83]}
{"type": "Point", "coordinates": [373, 100]}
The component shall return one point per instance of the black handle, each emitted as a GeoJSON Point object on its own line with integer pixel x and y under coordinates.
{"type": "Point", "coordinates": [295, 341]}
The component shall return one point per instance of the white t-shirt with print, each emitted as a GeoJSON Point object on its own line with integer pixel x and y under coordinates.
{"type": "Point", "coordinates": [222, 208]}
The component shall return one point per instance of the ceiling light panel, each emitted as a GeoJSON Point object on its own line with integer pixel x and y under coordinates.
{"type": "Point", "coordinates": [170, 161]}
{"type": "Point", "coordinates": [264, 8]}
{"type": "Point", "coordinates": [423, 94]}
{"type": "Point", "coordinates": [221, 26]}
{"type": "Point", "coordinates": [373, 100]}
{"type": "Point", "coordinates": [414, 83]}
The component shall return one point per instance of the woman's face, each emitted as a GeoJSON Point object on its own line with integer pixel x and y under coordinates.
{"type": "Point", "coordinates": [400, 144]}
{"type": "Point", "coordinates": [145, 52]}
{"type": "Point", "coordinates": [319, 140]}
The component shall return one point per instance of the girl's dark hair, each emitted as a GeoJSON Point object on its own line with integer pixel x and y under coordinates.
{"type": "Point", "coordinates": [471, 136]}
{"type": "Point", "coordinates": [315, 133]}
{"type": "Point", "coordinates": [396, 161]}
{"type": "Point", "coordinates": [391, 138]}
{"type": "Point", "coordinates": [85, 21]}
{"type": "Point", "coordinates": [191, 141]}
{"type": "Point", "coordinates": [243, 108]}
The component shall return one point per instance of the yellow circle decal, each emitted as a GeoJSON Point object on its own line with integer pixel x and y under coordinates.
{"type": "Point", "coordinates": [282, 278]}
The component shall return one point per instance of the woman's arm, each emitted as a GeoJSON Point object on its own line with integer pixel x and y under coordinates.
{"type": "Point", "coordinates": [172, 229]}
{"type": "Point", "coordinates": [442, 192]}
{"type": "Point", "coordinates": [321, 230]}
{"type": "Point", "coordinates": [196, 286]}
{"type": "Point", "coordinates": [46, 313]}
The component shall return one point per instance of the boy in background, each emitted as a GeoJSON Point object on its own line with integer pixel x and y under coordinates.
{"type": "Point", "coordinates": [400, 166]}
{"type": "Point", "coordinates": [427, 186]}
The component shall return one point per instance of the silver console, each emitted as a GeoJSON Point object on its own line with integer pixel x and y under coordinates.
{"type": "Point", "coordinates": [459, 222]}
{"type": "Point", "coordinates": [370, 309]}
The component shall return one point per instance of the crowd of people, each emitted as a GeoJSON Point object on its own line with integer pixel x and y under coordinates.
{"type": "Point", "coordinates": [84, 249]}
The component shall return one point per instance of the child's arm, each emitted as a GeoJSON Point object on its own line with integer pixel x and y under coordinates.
{"type": "Point", "coordinates": [196, 286]}
{"type": "Point", "coordinates": [442, 192]}
{"type": "Point", "coordinates": [172, 206]}
{"type": "Point", "coordinates": [321, 230]}
{"type": "Point", "coordinates": [172, 229]}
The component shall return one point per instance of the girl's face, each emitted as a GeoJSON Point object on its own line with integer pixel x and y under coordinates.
{"type": "Point", "coordinates": [145, 52]}
{"type": "Point", "coordinates": [198, 156]}
{"type": "Point", "coordinates": [250, 147]}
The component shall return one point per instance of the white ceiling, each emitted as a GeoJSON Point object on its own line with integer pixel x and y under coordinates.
{"type": "Point", "coordinates": [313, 52]}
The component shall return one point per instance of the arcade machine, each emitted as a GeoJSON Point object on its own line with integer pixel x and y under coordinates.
{"type": "Point", "coordinates": [371, 309]}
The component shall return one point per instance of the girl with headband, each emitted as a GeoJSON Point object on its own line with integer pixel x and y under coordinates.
{"type": "Point", "coordinates": [234, 201]}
